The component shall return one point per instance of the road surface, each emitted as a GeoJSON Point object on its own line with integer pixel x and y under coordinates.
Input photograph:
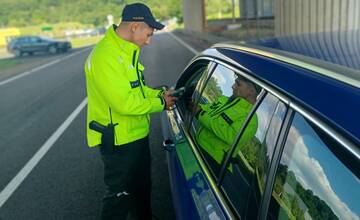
{"type": "Point", "coordinates": [46, 169]}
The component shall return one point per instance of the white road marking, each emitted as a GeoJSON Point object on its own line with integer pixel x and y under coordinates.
{"type": "Point", "coordinates": [183, 43]}
{"type": "Point", "coordinates": [42, 67]}
{"type": "Point", "coordinates": [30, 165]}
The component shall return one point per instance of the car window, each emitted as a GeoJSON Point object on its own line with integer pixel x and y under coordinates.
{"type": "Point", "coordinates": [195, 75]}
{"type": "Point", "coordinates": [21, 40]}
{"type": "Point", "coordinates": [311, 181]}
{"type": "Point", "coordinates": [220, 112]}
{"type": "Point", "coordinates": [245, 176]}
{"type": "Point", "coordinates": [34, 39]}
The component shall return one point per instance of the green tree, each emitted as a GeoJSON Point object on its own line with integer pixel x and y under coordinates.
{"type": "Point", "coordinates": [22, 13]}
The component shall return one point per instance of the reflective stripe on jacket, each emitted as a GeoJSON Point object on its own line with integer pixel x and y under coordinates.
{"type": "Point", "coordinates": [114, 80]}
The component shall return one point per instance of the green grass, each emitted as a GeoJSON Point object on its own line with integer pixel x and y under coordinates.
{"type": "Point", "coordinates": [57, 29]}
{"type": "Point", "coordinates": [87, 41]}
{"type": "Point", "coordinates": [6, 63]}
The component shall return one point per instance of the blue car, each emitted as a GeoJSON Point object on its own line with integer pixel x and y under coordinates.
{"type": "Point", "coordinates": [34, 44]}
{"type": "Point", "coordinates": [268, 130]}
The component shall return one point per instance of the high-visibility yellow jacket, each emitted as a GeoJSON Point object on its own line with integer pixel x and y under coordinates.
{"type": "Point", "coordinates": [221, 122]}
{"type": "Point", "coordinates": [114, 79]}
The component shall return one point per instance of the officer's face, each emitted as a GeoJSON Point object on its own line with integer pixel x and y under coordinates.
{"type": "Point", "coordinates": [142, 34]}
{"type": "Point", "coordinates": [241, 89]}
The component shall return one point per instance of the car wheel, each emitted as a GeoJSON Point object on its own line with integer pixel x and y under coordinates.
{"type": "Point", "coordinates": [18, 53]}
{"type": "Point", "coordinates": [52, 49]}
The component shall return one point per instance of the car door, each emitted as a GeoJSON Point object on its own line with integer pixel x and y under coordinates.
{"type": "Point", "coordinates": [230, 121]}
{"type": "Point", "coordinates": [37, 44]}
{"type": "Point", "coordinates": [25, 44]}
{"type": "Point", "coordinates": [236, 136]}
{"type": "Point", "coordinates": [191, 191]}
{"type": "Point", "coordinates": [244, 176]}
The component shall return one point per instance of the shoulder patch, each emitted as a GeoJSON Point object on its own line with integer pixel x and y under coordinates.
{"type": "Point", "coordinates": [134, 84]}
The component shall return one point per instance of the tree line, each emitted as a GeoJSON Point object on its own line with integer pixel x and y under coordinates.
{"type": "Point", "coordinates": [21, 13]}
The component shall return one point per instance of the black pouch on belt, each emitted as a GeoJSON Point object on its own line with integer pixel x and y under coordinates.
{"type": "Point", "coordinates": [107, 136]}
{"type": "Point", "coordinates": [107, 139]}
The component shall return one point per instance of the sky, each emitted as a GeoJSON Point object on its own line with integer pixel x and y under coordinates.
{"type": "Point", "coordinates": [317, 169]}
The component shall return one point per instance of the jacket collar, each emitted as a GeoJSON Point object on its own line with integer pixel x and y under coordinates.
{"type": "Point", "coordinates": [126, 46]}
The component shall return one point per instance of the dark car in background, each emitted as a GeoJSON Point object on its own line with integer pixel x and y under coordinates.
{"type": "Point", "coordinates": [293, 152]}
{"type": "Point", "coordinates": [33, 44]}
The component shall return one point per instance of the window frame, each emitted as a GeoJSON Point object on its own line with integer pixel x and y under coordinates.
{"type": "Point", "coordinates": [203, 164]}
{"type": "Point", "coordinates": [262, 94]}
{"type": "Point", "coordinates": [225, 163]}
{"type": "Point", "coordinates": [187, 75]}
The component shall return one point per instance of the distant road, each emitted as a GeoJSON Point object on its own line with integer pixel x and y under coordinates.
{"type": "Point", "coordinates": [65, 182]}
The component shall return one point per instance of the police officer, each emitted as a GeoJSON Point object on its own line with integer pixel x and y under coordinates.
{"type": "Point", "coordinates": [119, 104]}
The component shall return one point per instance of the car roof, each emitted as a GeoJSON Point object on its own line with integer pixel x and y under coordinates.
{"type": "Point", "coordinates": [337, 47]}
{"type": "Point", "coordinates": [330, 91]}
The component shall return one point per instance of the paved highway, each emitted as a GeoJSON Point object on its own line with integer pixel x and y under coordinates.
{"type": "Point", "coordinates": [46, 169]}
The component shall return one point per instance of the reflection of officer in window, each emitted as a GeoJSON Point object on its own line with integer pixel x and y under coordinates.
{"type": "Point", "coordinates": [221, 121]}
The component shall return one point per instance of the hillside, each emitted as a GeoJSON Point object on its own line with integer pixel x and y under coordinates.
{"type": "Point", "coordinates": [21, 13]}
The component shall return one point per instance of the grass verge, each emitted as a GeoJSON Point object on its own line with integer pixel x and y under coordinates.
{"type": "Point", "coordinates": [7, 63]}
{"type": "Point", "coordinates": [86, 41]}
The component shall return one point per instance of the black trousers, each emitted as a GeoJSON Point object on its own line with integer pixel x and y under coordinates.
{"type": "Point", "coordinates": [127, 176]}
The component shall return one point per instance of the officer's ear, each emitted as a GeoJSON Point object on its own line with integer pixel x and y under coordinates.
{"type": "Point", "coordinates": [134, 26]}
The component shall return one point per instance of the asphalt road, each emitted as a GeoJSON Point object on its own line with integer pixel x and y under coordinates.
{"type": "Point", "coordinates": [67, 182]}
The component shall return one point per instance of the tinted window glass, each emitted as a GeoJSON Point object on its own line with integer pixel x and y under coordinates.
{"type": "Point", "coordinates": [244, 180]}
{"type": "Point", "coordinates": [311, 182]}
{"type": "Point", "coordinates": [195, 75]}
{"type": "Point", "coordinates": [220, 112]}
{"type": "Point", "coordinates": [20, 40]}
{"type": "Point", "coordinates": [34, 39]}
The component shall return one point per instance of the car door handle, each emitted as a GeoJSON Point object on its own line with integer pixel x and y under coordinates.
{"type": "Point", "coordinates": [168, 145]}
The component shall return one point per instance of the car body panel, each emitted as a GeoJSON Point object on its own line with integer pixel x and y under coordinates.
{"type": "Point", "coordinates": [194, 199]}
{"type": "Point", "coordinates": [327, 95]}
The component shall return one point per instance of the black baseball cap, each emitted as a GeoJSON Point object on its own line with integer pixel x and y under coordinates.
{"type": "Point", "coordinates": [141, 13]}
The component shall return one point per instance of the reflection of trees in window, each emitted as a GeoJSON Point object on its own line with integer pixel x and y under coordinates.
{"type": "Point", "coordinates": [213, 91]}
{"type": "Point", "coordinates": [250, 151]}
{"type": "Point", "coordinates": [299, 201]}
{"type": "Point", "coordinates": [293, 203]}
{"type": "Point", "coordinates": [255, 158]}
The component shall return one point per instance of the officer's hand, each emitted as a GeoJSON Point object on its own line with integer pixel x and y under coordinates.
{"type": "Point", "coordinates": [169, 100]}
{"type": "Point", "coordinates": [168, 92]}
